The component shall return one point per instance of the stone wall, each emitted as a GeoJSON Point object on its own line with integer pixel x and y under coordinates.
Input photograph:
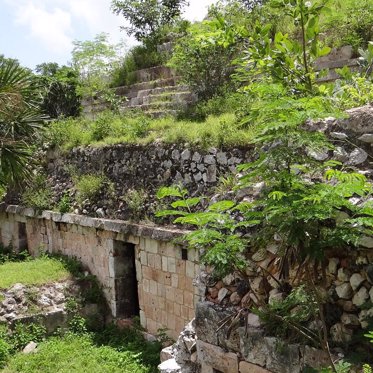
{"type": "Point", "coordinates": [164, 271]}
{"type": "Point", "coordinates": [145, 168]}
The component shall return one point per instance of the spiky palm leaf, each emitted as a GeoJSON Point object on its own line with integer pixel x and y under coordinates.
{"type": "Point", "coordinates": [20, 122]}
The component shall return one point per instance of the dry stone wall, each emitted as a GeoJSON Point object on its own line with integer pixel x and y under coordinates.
{"type": "Point", "coordinates": [164, 272]}
{"type": "Point", "coordinates": [139, 167]}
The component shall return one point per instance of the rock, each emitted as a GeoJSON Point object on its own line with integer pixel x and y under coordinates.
{"type": "Point", "coordinates": [356, 280]}
{"type": "Point", "coordinates": [317, 155]}
{"type": "Point", "coordinates": [235, 298]}
{"type": "Point", "coordinates": [364, 317]}
{"type": "Point", "coordinates": [366, 241]}
{"type": "Point", "coordinates": [44, 301]}
{"type": "Point", "coordinates": [333, 265]}
{"type": "Point", "coordinates": [339, 154]}
{"type": "Point", "coordinates": [360, 297]}
{"type": "Point", "coordinates": [169, 366]}
{"type": "Point", "coordinates": [340, 334]}
{"type": "Point", "coordinates": [253, 320]}
{"type": "Point", "coordinates": [100, 212]}
{"type": "Point", "coordinates": [350, 320]}
{"type": "Point", "coordinates": [213, 292]}
{"type": "Point", "coordinates": [312, 357]}
{"type": "Point", "coordinates": [167, 354]}
{"type": "Point", "coordinates": [367, 137]}
{"type": "Point", "coordinates": [257, 285]}
{"type": "Point", "coordinates": [246, 367]}
{"type": "Point", "coordinates": [30, 348]}
{"type": "Point", "coordinates": [347, 305]}
{"type": "Point", "coordinates": [344, 291]}
{"type": "Point", "coordinates": [223, 292]}
{"type": "Point", "coordinates": [357, 156]}
{"type": "Point", "coordinates": [339, 135]}
{"type": "Point", "coordinates": [246, 299]}
{"type": "Point", "coordinates": [343, 275]}
{"type": "Point", "coordinates": [275, 296]}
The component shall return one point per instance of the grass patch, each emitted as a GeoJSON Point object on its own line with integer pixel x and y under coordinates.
{"type": "Point", "coordinates": [32, 272]}
{"type": "Point", "coordinates": [216, 130]}
{"type": "Point", "coordinates": [78, 354]}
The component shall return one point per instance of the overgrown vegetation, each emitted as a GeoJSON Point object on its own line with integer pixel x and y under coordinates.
{"type": "Point", "coordinates": [86, 344]}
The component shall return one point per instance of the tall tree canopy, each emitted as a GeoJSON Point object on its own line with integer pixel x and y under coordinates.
{"type": "Point", "coordinates": [147, 17]}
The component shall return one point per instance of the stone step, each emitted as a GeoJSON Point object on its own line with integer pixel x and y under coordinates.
{"type": "Point", "coordinates": [154, 73]}
{"type": "Point", "coordinates": [160, 90]}
{"type": "Point", "coordinates": [132, 90]}
{"type": "Point", "coordinates": [162, 113]}
{"type": "Point", "coordinates": [175, 97]}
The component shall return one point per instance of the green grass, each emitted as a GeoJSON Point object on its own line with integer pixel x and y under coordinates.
{"type": "Point", "coordinates": [110, 129]}
{"type": "Point", "coordinates": [75, 354]}
{"type": "Point", "coordinates": [32, 272]}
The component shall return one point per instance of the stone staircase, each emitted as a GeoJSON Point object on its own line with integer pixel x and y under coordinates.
{"type": "Point", "coordinates": [158, 93]}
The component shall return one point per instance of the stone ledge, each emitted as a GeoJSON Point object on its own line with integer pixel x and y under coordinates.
{"type": "Point", "coordinates": [118, 226]}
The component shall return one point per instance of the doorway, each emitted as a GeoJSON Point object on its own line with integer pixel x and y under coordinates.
{"type": "Point", "coordinates": [126, 287]}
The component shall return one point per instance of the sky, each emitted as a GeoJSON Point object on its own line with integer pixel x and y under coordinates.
{"type": "Point", "coordinates": [36, 31]}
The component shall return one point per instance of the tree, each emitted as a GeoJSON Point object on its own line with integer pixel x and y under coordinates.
{"type": "Point", "coordinates": [95, 60]}
{"type": "Point", "coordinates": [20, 122]}
{"type": "Point", "coordinates": [58, 87]}
{"type": "Point", "coordinates": [147, 17]}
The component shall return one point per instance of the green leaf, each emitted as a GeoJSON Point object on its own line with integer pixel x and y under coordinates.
{"type": "Point", "coordinates": [163, 213]}
{"type": "Point", "coordinates": [171, 192]}
{"type": "Point", "coordinates": [221, 206]}
{"type": "Point", "coordinates": [190, 202]}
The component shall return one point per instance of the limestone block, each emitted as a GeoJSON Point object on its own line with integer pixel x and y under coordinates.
{"type": "Point", "coordinates": [246, 367]}
{"type": "Point", "coordinates": [356, 280]}
{"type": "Point", "coordinates": [360, 297]}
{"type": "Point", "coordinates": [216, 358]}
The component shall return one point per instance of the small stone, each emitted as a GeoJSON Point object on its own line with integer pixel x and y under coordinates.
{"type": "Point", "coordinates": [349, 319]}
{"type": "Point", "coordinates": [356, 280]}
{"type": "Point", "coordinates": [219, 285]}
{"type": "Point", "coordinates": [344, 291]}
{"type": "Point", "coordinates": [367, 137]}
{"type": "Point", "coordinates": [338, 135]}
{"type": "Point", "coordinates": [169, 366]}
{"type": "Point", "coordinates": [371, 294]}
{"type": "Point", "coordinates": [223, 292]}
{"type": "Point", "coordinates": [253, 320]}
{"type": "Point", "coordinates": [340, 154]}
{"type": "Point", "coordinates": [245, 301]}
{"type": "Point", "coordinates": [366, 241]}
{"type": "Point", "coordinates": [340, 334]}
{"type": "Point", "coordinates": [276, 297]}
{"type": "Point", "coordinates": [100, 212]}
{"type": "Point", "coordinates": [317, 155]}
{"type": "Point", "coordinates": [360, 297]}
{"type": "Point", "coordinates": [30, 348]}
{"type": "Point", "coordinates": [361, 260]}
{"type": "Point", "coordinates": [364, 316]}
{"type": "Point", "coordinates": [357, 156]}
{"type": "Point", "coordinates": [44, 301]}
{"type": "Point", "coordinates": [235, 298]}
{"type": "Point", "coordinates": [333, 265]}
{"type": "Point", "coordinates": [213, 292]}
{"type": "Point", "coordinates": [347, 305]}
{"type": "Point", "coordinates": [343, 275]}
{"type": "Point", "coordinates": [167, 354]}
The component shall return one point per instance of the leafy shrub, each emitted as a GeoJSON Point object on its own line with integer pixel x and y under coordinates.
{"type": "Point", "coordinates": [5, 349]}
{"type": "Point", "coordinates": [38, 194]}
{"type": "Point", "coordinates": [64, 205]}
{"type": "Point", "coordinates": [26, 333]}
{"type": "Point", "coordinates": [134, 200]}
{"type": "Point", "coordinates": [88, 186]}
{"type": "Point", "coordinates": [203, 60]}
{"type": "Point", "coordinates": [137, 58]}
{"type": "Point", "coordinates": [350, 23]}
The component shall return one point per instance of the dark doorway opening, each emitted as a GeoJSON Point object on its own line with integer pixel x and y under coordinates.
{"type": "Point", "coordinates": [126, 290]}
{"type": "Point", "coordinates": [22, 237]}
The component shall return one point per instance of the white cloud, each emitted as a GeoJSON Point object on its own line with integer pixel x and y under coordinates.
{"type": "Point", "coordinates": [52, 27]}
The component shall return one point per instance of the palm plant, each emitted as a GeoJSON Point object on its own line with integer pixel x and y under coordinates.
{"type": "Point", "coordinates": [20, 122]}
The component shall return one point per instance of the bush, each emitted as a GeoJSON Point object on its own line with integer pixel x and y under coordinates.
{"type": "Point", "coordinates": [88, 186]}
{"type": "Point", "coordinates": [38, 194]}
{"type": "Point", "coordinates": [139, 57]}
{"type": "Point", "coordinates": [350, 23]}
